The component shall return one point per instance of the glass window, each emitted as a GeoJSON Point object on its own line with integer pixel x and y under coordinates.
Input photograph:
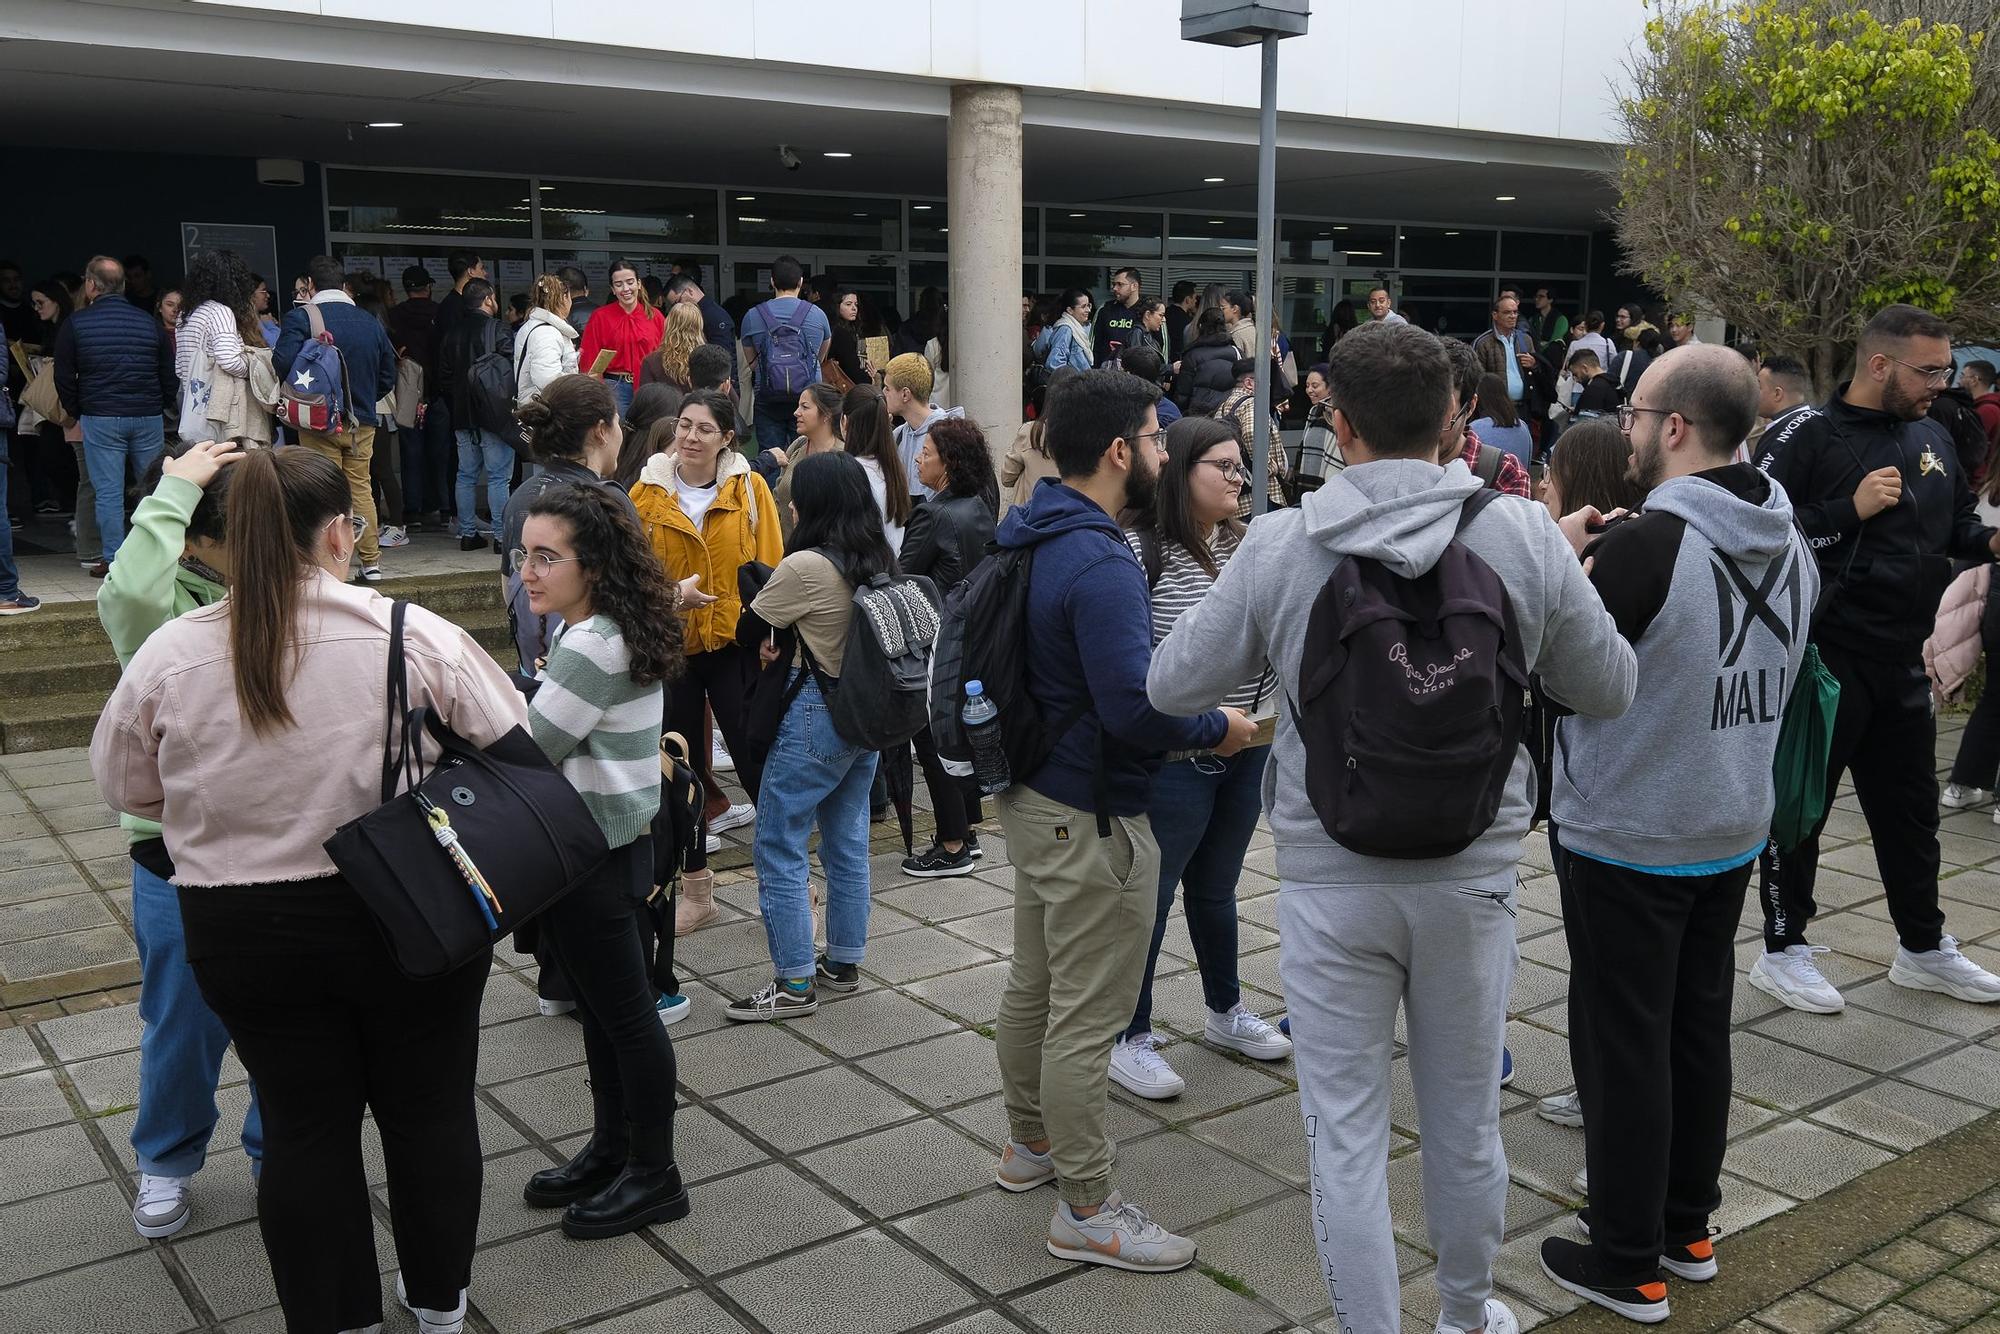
{"type": "Point", "coordinates": [929, 230]}
{"type": "Point", "coordinates": [1363, 244]}
{"type": "Point", "coordinates": [1204, 234]}
{"type": "Point", "coordinates": [1110, 232]}
{"type": "Point", "coordinates": [1445, 248]}
{"type": "Point", "coordinates": [1545, 252]}
{"type": "Point", "coordinates": [649, 215]}
{"type": "Point", "coordinates": [1094, 279]}
{"type": "Point", "coordinates": [814, 222]}
{"type": "Point", "coordinates": [426, 204]}
{"type": "Point", "coordinates": [511, 271]}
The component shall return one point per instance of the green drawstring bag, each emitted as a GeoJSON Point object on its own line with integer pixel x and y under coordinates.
{"type": "Point", "coordinates": [1805, 735]}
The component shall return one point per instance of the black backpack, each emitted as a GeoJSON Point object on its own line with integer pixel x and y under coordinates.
{"type": "Point", "coordinates": [984, 638]}
{"type": "Point", "coordinates": [1411, 688]}
{"type": "Point", "coordinates": [490, 386]}
{"type": "Point", "coordinates": [882, 698]}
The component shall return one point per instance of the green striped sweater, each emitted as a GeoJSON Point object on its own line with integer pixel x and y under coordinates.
{"type": "Point", "coordinates": [601, 729]}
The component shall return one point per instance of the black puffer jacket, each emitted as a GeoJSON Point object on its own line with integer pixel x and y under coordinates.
{"type": "Point", "coordinates": [1206, 375]}
{"type": "Point", "coordinates": [114, 360]}
{"type": "Point", "coordinates": [946, 537]}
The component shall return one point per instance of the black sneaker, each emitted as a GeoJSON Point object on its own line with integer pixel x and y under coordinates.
{"type": "Point", "coordinates": [776, 1001]}
{"type": "Point", "coordinates": [935, 863]}
{"type": "Point", "coordinates": [1691, 1258]}
{"type": "Point", "coordinates": [467, 543]}
{"type": "Point", "coordinates": [972, 846]}
{"type": "Point", "coordinates": [836, 976]}
{"type": "Point", "coordinates": [1574, 1267]}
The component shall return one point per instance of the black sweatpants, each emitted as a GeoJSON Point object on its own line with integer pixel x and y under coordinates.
{"type": "Point", "coordinates": [594, 933]}
{"type": "Point", "coordinates": [954, 801]}
{"type": "Point", "coordinates": [718, 679]}
{"type": "Point", "coordinates": [1652, 969]}
{"type": "Point", "coordinates": [328, 1028]}
{"type": "Point", "coordinates": [1885, 735]}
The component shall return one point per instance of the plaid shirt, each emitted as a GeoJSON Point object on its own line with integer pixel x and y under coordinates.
{"type": "Point", "coordinates": [1241, 408]}
{"type": "Point", "coordinates": [1512, 478]}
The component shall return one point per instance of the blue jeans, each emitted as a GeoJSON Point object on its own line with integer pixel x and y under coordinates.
{"type": "Point", "coordinates": [10, 574]}
{"type": "Point", "coordinates": [622, 391]}
{"type": "Point", "coordinates": [181, 1049]}
{"type": "Point", "coordinates": [112, 446]}
{"type": "Point", "coordinates": [776, 420]}
{"type": "Point", "coordinates": [479, 449]}
{"type": "Point", "coordinates": [1203, 822]}
{"type": "Point", "coordinates": [813, 773]}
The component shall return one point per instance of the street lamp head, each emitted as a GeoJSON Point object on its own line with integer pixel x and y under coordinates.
{"type": "Point", "coordinates": [1242, 22]}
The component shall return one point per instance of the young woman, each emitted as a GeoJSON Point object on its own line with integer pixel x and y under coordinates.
{"type": "Point", "coordinates": [706, 512]}
{"type": "Point", "coordinates": [1589, 466]}
{"type": "Point", "coordinates": [1239, 317]}
{"type": "Point", "coordinates": [628, 327]}
{"type": "Point", "coordinates": [281, 681]}
{"type": "Point", "coordinates": [260, 300]}
{"type": "Point", "coordinates": [1066, 343]}
{"type": "Point", "coordinates": [843, 314]}
{"type": "Point", "coordinates": [1028, 461]}
{"type": "Point", "coordinates": [649, 428]}
{"type": "Point", "coordinates": [865, 429]}
{"type": "Point", "coordinates": [948, 536]}
{"type": "Point", "coordinates": [1498, 424]}
{"type": "Point", "coordinates": [210, 345]}
{"type": "Point", "coordinates": [668, 363]}
{"type": "Point", "coordinates": [814, 775]}
{"type": "Point", "coordinates": [544, 344]}
{"type": "Point", "coordinates": [1207, 375]}
{"type": "Point", "coordinates": [598, 715]}
{"type": "Point", "coordinates": [1204, 807]}
{"type": "Point", "coordinates": [818, 418]}
{"type": "Point", "coordinates": [60, 448]}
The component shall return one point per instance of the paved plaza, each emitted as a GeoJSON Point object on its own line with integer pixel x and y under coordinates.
{"type": "Point", "coordinates": [841, 1164]}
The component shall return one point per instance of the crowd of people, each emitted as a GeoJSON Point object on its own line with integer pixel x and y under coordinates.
{"type": "Point", "coordinates": [1624, 552]}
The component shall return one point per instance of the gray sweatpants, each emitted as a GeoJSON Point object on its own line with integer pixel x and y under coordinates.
{"type": "Point", "coordinates": [1349, 954]}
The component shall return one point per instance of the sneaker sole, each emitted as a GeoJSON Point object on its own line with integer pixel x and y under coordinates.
{"type": "Point", "coordinates": [154, 1231]}
{"type": "Point", "coordinates": [835, 984]}
{"type": "Point", "coordinates": [1152, 1095]}
{"type": "Point", "coordinates": [1777, 993]}
{"type": "Point", "coordinates": [1254, 1051]}
{"type": "Point", "coordinates": [1645, 1315]}
{"type": "Point", "coordinates": [1085, 1255]}
{"type": "Point", "coordinates": [1574, 1120]}
{"type": "Point", "coordinates": [665, 1212]}
{"type": "Point", "coordinates": [1022, 1187]}
{"type": "Point", "coordinates": [19, 611]}
{"type": "Point", "coordinates": [941, 873]}
{"type": "Point", "coordinates": [1917, 980]}
{"type": "Point", "coordinates": [722, 824]}
{"type": "Point", "coordinates": [772, 1016]}
{"type": "Point", "coordinates": [1700, 1271]}
{"type": "Point", "coordinates": [668, 1018]}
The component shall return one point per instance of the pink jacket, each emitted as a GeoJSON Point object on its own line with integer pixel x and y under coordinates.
{"type": "Point", "coordinates": [239, 809]}
{"type": "Point", "coordinates": [1952, 651]}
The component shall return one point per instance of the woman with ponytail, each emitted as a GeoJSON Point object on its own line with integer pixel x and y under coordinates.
{"type": "Point", "coordinates": [250, 730]}
{"type": "Point", "coordinates": [544, 345]}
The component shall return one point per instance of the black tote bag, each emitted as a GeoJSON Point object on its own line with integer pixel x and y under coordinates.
{"type": "Point", "coordinates": [482, 844]}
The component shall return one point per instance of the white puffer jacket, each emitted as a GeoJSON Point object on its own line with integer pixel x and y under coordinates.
{"type": "Point", "coordinates": [544, 348]}
{"type": "Point", "coordinates": [1953, 649]}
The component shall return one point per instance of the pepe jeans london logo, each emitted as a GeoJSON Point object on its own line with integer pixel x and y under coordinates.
{"type": "Point", "coordinates": [1430, 678]}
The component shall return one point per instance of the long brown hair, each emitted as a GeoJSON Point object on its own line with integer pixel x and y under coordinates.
{"type": "Point", "coordinates": [865, 432]}
{"type": "Point", "coordinates": [280, 500]}
{"type": "Point", "coordinates": [1188, 440]}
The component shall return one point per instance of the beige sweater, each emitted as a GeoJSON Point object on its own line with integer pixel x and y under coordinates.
{"type": "Point", "coordinates": [239, 809]}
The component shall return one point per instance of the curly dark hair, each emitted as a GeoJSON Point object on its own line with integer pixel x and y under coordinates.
{"type": "Point", "coordinates": [221, 275]}
{"type": "Point", "coordinates": [627, 582]}
{"type": "Point", "coordinates": [968, 463]}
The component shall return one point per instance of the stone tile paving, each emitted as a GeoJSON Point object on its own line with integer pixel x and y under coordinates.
{"type": "Point", "coordinates": [841, 1164]}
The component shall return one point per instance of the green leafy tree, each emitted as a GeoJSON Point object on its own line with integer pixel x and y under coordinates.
{"type": "Point", "coordinates": [1795, 165]}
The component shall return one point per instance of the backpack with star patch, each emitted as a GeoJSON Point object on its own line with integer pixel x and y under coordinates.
{"type": "Point", "coordinates": [313, 396]}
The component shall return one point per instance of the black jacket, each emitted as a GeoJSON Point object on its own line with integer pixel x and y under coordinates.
{"type": "Point", "coordinates": [473, 335]}
{"type": "Point", "coordinates": [1206, 376]}
{"type": "Point", "coordinates": [946, 537]}
{"type": "Point", "coordinates": [1883, 578]}
{"type": "Point", "coordinates": [115, 360]}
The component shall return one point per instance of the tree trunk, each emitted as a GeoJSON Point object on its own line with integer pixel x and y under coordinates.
{"type": "Point", "coordinates": [1825, 369]}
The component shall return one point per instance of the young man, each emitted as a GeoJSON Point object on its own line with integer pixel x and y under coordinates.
{"type": "Point", "coordinates": [427, 449]}
{"type": "Point", "coordinates": [1549, 325]}
{"type": "Point", "coordinates": [906, 392]}
{"type": "Point", "coordinates": [1981, 379]}
{"type": "Point", "coordinates": [577, 283]}
{"type": "Point", "coordinates": [1180, 315]}
{"type": "Point", "coordinates": [1599, 397]}
{"type": "Point", "coordinates": [775, 402]}
{"type": "Point", "coordinates": [1086, 867]}
{"type": "Point", "coordinates": [1783, 386]}
{"type": "Point", "coordinates": [716, 326]}
{"type": "Point", "coordinates": [1878, 489]}
{"type": "Point", "coordinates": [1145, 363]}
{"type": "Point", "coordinates": [482, 452]}
{"type": "Point", "coordinates": [709, 368]}
{"type": "Point", "coordinates": [1362, 935]}
{"type": "Point", "coordinates": [1460, 441]}
{"type": "Point", "coordinates": [1653, 867]}
{"type": "Point", "coordinates": [1120, 317]}
{"type": "Point", "coordinates": [1380, 309]}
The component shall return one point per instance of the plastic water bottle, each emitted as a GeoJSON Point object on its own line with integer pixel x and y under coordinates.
{"type": "Point", "coordinates": [981, 718]}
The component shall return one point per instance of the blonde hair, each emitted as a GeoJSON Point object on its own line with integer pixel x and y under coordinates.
{"type": "Point", "coordinates": [549, 290]}
{"type": "Point", "coordinates": [912, 372]}
{"type": "Point", "coordinates": [683, 336]}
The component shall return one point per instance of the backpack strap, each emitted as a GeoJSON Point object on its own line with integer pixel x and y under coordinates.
{"type": "Point", "coordinates": [1150, 554]}
{"type": "Point", "coordinates": [315, 322]}
{"type": "Point", "coordinates": [1474, 503]}
{"type": "Point", "coordinates": [1487, 468]}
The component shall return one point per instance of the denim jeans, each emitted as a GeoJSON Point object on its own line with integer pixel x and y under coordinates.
{"type": "Point", "coordinates": [112, 447]}
{"type": "Point", "coordinates": [813, 773]}
{"type": "Point", "coordinates": [775, 420]}
{"type": "Point", "coordinates": [1204, 811]}
{"type": "Point", "coordinates": [181, 1047]}
{"type": "Point", "coordinates": [621, 389]}
{"type": "Point", "coordinates": [481, 449]}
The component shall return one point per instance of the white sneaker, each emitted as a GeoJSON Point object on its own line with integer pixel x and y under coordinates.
{"type": "Point", "coordinates": [551, 1009]}
{"type": "Point", "coordinates": [1140, 1070]}
{"type": "Point", "coordinates": [1119, 1235]}
{"type": "Point", "coordinates": [1245, 1031]}
{"type": "Point", "coordinates": [1581, 1181]}
{"type": "Point", "coordinates": [1795, 979]}
{"type": "Point", "coordinates": [1564, 1109]}
{"type": "Point", "coordinates": [1022, 1169]}
{"type": "Point", "coordinates": [162, 1208]}
{"type": "Point", "coordinates": [1499, 1320]}
{"type": "Point", "coordinates": [1945, 969]}
{"type": "Point", "coordinates": [714, 844]}
{"type": "Point", "coordinates": [719, 758]}
{"type": "Point", "coordinates": [1964, 798]}
{"type": "Point", "coordinates": [429, 1321]}
{"type": "Point", "coordinates": [392, 536]}
{"type": "Point", "coordinates": [735, 817]}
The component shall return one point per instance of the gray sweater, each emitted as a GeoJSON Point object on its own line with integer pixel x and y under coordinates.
{"type": "Point", "coordinates": [1401, 512]}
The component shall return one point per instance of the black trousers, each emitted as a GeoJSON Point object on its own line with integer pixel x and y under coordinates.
{"type": "Point", "coordinates": [1886, 736]}
{"type": "Point", "coordinates": [594, 933]}
{"type": "Point", "coordinates": [1978, 760]}
{"type": "Point", "coordinates": [328, 1028]}
{"type": "Point", "coordinates": [1652, 970]}
{"type": "Point", "coordinates": [717, 679]}
{"type": "Point", "coordinates": [954, 801]}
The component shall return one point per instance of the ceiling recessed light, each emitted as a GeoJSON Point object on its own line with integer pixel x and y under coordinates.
{"type": "Point", "coordinates": [1326, 233]}
{"type": "Point", "coordinates": [1215, 222]}
{"type": "Point", "coordinates": [1341, 228]}
{"type": "Point", "coordinates": [1503, 199]}
{"type": "Point", "coordinates": [1076, 215]}
{"type": "Point", "coordinates": [1211, 180]}
{"type": "Point", "coordinates": [1126, 226]}
{"type": "Point", "coordinates": [746, 199]}
{"type": "Point", "coordinates": [385, 125]}
{"type": "Point", "coordinates": [836, 155]}
{"type": "Point", "coordinates": [861, 215]}
{"type": "Point", "coordinates": [920, 208]}
{"type": "Point", "coordinates": [749, 219]}
{"type": "Point", "coordinates": [944, 229]}
{"type": "Point", "coordinates": [548, 187]}
{"type": "Point", "coordinates": [1451, 233]}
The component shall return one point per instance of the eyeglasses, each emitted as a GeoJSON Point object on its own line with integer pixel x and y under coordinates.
{"type": "Point", "coordinates": [1230, 469]}
{"type": "Point", "coordinates": [1931, 374]}
{"type": "Point", "coordinates": [359, 524]}
{"type": "Point", "coordinates": [541, 562]}
{"type": "Point", "coordinates": [1629, 415]}
{"type": "Point", "coordinates": [1158, 439]}
{"type": "Point", "coordinates": [689, 426]}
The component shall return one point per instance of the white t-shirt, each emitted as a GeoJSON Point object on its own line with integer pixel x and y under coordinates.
{"type": "Point", "coordinates": [879, 485]}
{"type": "Point", "coordinates": [695, 500]}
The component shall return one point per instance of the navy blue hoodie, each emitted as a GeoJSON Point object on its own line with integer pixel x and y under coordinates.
{"type": "Point", "coordinates": [1088, 588]}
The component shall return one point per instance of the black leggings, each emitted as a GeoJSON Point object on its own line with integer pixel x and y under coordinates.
{"type": "Point", "coordinates": [328, 1028]}
{"type": "Point", "coordinates": [954, 801]}
{"type": "Point", "coordinates": [717, 678]}
{"type": "Point", "coordinates": [593, 933]}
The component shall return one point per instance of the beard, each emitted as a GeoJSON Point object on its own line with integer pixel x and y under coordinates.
{"type": "Point", "coordinates": [1648, 466]}
{"type": "Point", "coordinates": [1899, 403]}
{"type": "Point", "coordinates": [1141, 490]}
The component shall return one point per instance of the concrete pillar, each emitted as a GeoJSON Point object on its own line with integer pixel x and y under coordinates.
{"type": "Point", "coordinates": [983, 193]}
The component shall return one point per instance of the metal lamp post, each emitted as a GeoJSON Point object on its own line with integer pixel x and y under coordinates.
{"type": "Point", "coordinates": [1240, 23]}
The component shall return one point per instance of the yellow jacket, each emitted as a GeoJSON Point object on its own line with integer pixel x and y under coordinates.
{"type": "Point", "coordinates": [741, 525]}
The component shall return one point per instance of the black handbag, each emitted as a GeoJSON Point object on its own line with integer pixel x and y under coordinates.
{"type": "Point", "coordinates": [482, 844]}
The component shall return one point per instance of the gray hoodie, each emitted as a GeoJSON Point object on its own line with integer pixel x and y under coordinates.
{"type": "Point", "coordinates": [1401, 512]}
{"type": "Point", "coordinates": [1715, 586]}
{"type": "Point", "coordinates": [910, 442]}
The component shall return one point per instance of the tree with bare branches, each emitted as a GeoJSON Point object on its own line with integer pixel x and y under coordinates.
{"type": "Point", "coordinates": [1796, 165]}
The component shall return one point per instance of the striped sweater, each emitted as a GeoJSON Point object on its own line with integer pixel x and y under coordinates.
{"type": "Point", "coordinates": [601, 729]}
{"type": "Point", "coordinates": [1183, 583]}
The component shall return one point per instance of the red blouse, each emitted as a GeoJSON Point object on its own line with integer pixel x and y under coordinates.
{"type": "Point", "coordinates": [632, 337]}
